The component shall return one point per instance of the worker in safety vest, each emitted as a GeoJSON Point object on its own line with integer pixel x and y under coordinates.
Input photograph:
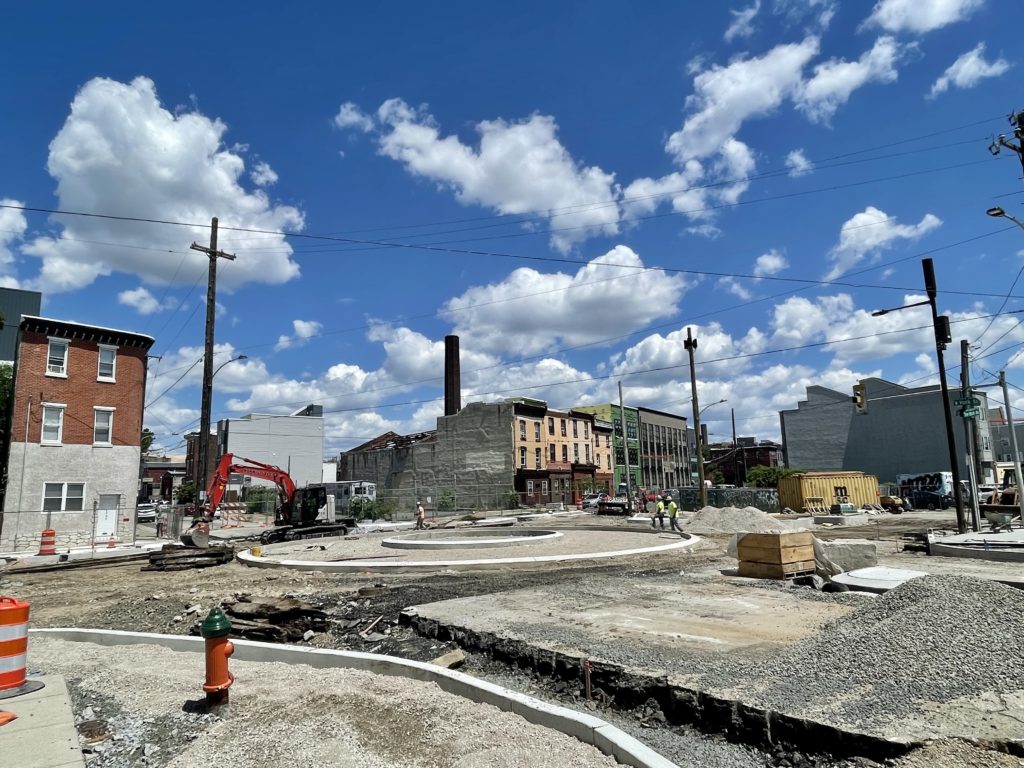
{"type": "Point", "coordinates": [669, 507]}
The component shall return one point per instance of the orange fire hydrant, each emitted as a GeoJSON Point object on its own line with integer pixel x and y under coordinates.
{"type": "Point", "coordinates": [215, 629]}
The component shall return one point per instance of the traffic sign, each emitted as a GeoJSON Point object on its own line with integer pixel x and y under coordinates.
{"type": "Point", "coordinates": [969, 413]}
{"type": "Point", "coordinates": [969, 402]}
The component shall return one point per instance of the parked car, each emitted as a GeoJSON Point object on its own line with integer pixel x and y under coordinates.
{"type": "Point", "coordinates": [145, 513]}
{"type": "Point", "coordinates": [591, 500]}
{"type": "Point", "coordinates": [920, 498]}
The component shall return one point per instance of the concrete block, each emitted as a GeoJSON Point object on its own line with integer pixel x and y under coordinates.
{"type": "Point", "coordinates": [840, 519]}
{"type": "Point", "coordinates": [628, 750]}
{"type": "Point", "coordinates": [844, 555]}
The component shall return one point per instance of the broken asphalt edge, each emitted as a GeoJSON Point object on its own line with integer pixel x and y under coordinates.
{"type": "Point", "coordinates": [586, 728]}
{"type": "Point", "coordinates": [247, 558]}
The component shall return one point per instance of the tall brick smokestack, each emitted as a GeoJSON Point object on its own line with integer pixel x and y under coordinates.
{"type": "Point", "coordinates": [452, 376]}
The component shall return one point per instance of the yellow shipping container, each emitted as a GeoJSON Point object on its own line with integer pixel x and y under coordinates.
{"type": "Point", "coordinates": [814, 490]}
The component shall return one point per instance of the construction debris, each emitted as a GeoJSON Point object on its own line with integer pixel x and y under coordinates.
{"type": "Point", "coordinates": [735, 520]}
{"type": "Point", "coordinates": [175, 558]}
{"type": "Point", "coordinates": [451, 660]}
{"type": "Point", "coordinates": [273, 619]}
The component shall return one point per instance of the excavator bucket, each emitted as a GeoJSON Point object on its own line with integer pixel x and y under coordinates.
{"type": "Point", "coordinates": [197, 536]}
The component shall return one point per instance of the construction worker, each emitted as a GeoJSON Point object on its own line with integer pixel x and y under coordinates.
{"type": "Point", "coordinates": [669, 507]}
{"type": "Point", "coordinates": [420, 514]}
{"type": "Point", "coordinates": [657, 513]}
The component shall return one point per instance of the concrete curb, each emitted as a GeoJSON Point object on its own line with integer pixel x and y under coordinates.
{"type": "Point", "coordinates": [413, 566]}
{"type": "Point", "coordinates": [587, 728]}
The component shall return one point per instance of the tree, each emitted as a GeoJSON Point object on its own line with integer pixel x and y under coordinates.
{"type": "Point", "coordinates": [768, 477]}
{"type": "Point", "coordinates": [147, 440]}
{"type": "Point", "coordinates": [6, 392]}
{"type": "Point", "coordinates": [185, 493]}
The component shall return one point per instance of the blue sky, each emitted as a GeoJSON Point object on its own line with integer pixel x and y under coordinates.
{"type": "Point", "coordinates": [566, 186]}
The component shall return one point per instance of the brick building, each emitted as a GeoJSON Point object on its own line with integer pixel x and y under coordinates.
{"type": "Point", "coordinates": [76, 427]}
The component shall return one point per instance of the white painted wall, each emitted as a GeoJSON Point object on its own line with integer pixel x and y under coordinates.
{"type": "Point", "coordinates": [294, 443]}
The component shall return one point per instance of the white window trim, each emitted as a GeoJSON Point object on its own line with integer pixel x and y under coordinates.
{"type": "Point", "coordinates": [105, 409]}
{"type": "Point", "coordinates": [112, 379]}
{"type": "Point", "coordinates": [64, 497]}
{"type": "Point", "coordinates": [42, 424]}
{"type": "Point", "coordinates": [67, 354]}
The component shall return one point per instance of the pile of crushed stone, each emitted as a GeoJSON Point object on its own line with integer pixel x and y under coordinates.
{"type": "Point", "coordinates": [932, 640]}
{"type": "Point", "coordinates": [736, 520]}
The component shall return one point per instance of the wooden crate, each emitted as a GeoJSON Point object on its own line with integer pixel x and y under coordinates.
{"type": "Point", "coordinates": [775, 570]}
{"type": "Point", "coordinates": [775, 555]}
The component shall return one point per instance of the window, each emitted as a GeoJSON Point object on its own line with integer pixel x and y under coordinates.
{"type": "Point", "coordinates": [586, 430]}
{"type": "Point", "coordinates": [607, 441]}
{"type": "Point", "coordinates": [53, 424]}
{"type": "Point", "coordinates": [551, 426]}
{"type": "Point", "coordinates": [529, 487]}
{"type": "Point", "coordinates": [552, 453]}
{"type": "Point", "coordinates": [576, 452]}
{"type": "Point", "coordinates": [544, 487]}
{"type": "Point", "coordinates": [565, 452]}
{"type": "Point", "coordinates": [107, 365]}
{"type": "Point", "coordinates": [575, 428]}
{"type": "Point", "coordinates": [63, 497]}
{"type": "Point", "coordinates": [586, 452]}
{"type": "Point", "coordinates": [57, 358]}
{"type": "Point", "coordinates": [536, 430]}
{"type": "Point", "coordinates": [563, 427]}
{"type": "Point", "coordinates": [631, 430]}
{"type": "Point", "coordinates": [103, 426]}
{"type": "Point", "coordinates": [522, 429]}
{"type": "Point", "coordinates": [522, 457]}
{"type": "Point", "coordinates": [536, 457]}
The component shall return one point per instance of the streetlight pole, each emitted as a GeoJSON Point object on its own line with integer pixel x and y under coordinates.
{"type": "Point", "coordinates": [940, 326]}
{"type": "Point", "coordinates": [1013, 444]}
{"type": "Point", "coordinates": [691, 345]}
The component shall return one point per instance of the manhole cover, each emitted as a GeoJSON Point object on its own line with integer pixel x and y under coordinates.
{"type": "Point", "coordinates": [94, 731]}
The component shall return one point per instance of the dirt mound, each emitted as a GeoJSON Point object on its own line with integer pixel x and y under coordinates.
{"type": "Point", "coordinates": [736, 520]}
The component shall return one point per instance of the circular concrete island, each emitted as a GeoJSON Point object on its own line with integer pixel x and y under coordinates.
{"type": "Point", "coordinates": [461, 550]}
{"type": "Point", "coordinates": [483, 539]}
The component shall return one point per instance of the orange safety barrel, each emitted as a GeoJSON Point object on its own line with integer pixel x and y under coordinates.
{"type": "Point", "coordinates": [48, 542]}
{"type": "Point", "coordinates": [13, 642]}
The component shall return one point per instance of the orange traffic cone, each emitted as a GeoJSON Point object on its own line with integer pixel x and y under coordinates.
{"type": "Point", "coordinates": [112, 542]}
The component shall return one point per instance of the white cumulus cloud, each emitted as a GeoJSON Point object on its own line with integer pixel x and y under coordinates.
{"type": "Point", "coordinates": [518, 168]}
{"type": "Point", "coordinates": [351, 116]}
{"type": "Point", "coordinates": [870, 232]}
{"type": "Point", "coordinates": [770, 263]}
{"type": "Point", "coordinates": [121, 152]}
{"type": "Point", "coordinates": [968, 70]}
{"type": "Point", "coordinates": [920, 16]}
{"type": "Point", "coordinates": [836, 79]}
{"type": "Point", "coordinates": [263, 175]}
{"type": "Point", "coordinates": [742, 21]}
{"type": "Point", "coordinates": [12, 229]}
{"type": "Point", "coordinates": [143, 302]}
{"type": "Point", "coordinates": [798, 164]}
{"type": "Point", "coordinates": [302, 331]}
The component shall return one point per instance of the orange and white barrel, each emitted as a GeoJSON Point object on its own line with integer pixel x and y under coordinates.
{"type": "Point", "coordinates": [48, 542]}
{"type": "Point", "coordinates": [13, 643]}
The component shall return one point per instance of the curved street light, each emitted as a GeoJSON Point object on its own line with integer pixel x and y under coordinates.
{"type": "Point", "coordinates": [999, 213]}
{"type": "Point", "coordinates": [712, 405]}
{"type": "Point", "coordinates": [227, 362]}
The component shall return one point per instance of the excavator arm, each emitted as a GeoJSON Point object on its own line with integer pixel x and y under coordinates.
{"type": "Point", "coordinates": [229, 465]}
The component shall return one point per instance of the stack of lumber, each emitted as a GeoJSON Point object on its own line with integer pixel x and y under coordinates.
{"type": "Point", "coordinates": [775, 555]}
{"type": "Point", "coordinates": [274, 619]}
{"type": "Point", "coordinates": [175, 558]}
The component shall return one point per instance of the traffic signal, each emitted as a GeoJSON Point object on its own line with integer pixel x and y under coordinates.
{"type": "Point", "coordinates": [860, 398]}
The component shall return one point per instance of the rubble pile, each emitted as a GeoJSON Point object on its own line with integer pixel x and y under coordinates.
{"type": "Point", "coordinates": [273, 619]}
{"type": "Point", "coordinates": [175, 558]}
{"type": "Point", "coordinates": [934, 639]}
{"type": "Point", "coordinates": [736, 520]}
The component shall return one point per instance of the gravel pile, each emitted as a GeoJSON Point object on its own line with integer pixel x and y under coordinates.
{"type": "Point", "coordinates": [736, 520]}
{"type": "Point", "coordinates": [934, 639]}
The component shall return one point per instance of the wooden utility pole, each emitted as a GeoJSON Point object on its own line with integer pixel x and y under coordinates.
{"type": "Point", "coordinates": [691, 345]}
{"type": "Point", "coordinates": [625, 450]}
{"type": "Point", "coordinates": [211, 314]}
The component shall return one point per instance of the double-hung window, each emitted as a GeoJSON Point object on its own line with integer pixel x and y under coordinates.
{"type": "Point", "coordinates": [53, 424]}
{"type": "Point", "coordinates": [57, 358]}
{"type": "Point", "coordinates": [107, 365]}
{"type": "Point", "coordinates": [63, 497]}
{"type": "Point", "coordinates": [103, 426]}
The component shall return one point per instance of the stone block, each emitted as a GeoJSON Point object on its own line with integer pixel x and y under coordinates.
{"type": "Point", "coordinates": [844, 555]}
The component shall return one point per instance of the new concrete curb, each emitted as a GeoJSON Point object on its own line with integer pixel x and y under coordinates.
{"type": "Point", "coordinates": [588, 729]}
{"type": "Point", "coordinates": [412, 566]}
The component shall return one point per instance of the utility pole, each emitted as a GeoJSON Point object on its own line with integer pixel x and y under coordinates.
{"type": "Point", "coordinates": [211, 314]}
{"type": "Point", "coordinates": [1017, 121]}
{"type": "Point", "coordinates": [625, 449]}
{"type": "Point", "coordinates": [1013, 444]}
{"type": "Point", "coordinates": [735, 450]}
{"type": "Point", "coordinates": [940, 325]}
{"type": "Point", "coordinates": [965, 392]}
{"type": "Point", "coordinates": [691, 344]}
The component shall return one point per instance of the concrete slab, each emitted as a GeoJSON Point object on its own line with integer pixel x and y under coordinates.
{"type": "Point", "coordinates": [44, 734]}
{"type": "Point", "coordinates": [841, 519]}
{"type": "Point", "coordinates": [878, 579]}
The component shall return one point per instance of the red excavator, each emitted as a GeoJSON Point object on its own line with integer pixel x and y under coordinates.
{"type": "Point", "coordinates": [297, 517]}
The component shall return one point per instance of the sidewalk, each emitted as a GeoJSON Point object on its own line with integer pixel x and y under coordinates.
{"type": "Point", "coordinates": [28, 559]}
{"type": "Point", "coordinates": [44, 735]}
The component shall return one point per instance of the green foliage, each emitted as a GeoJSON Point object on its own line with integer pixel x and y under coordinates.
{"type": "Point", "coordinates": [768, 477]}
{"type": "Point", "coordinates": [6, 391]}
{"type": "Point", "coordinates": [512, 500]}
{"type": "Point", "coordinates": [147, 440]}
{"type": "Point", "coordinates": [362, 508]}
{"type": "Point", "coordinates": [185, 493]}
{"type": "Point", "coordinates": [446, 501]}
